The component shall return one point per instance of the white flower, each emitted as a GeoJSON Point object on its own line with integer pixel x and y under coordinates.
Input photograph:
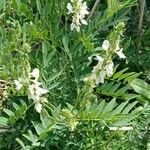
{"type": "Point", "coordinates": [119, 50]}
{"type": "Point", "coordinates": [38, 107]}
{"type": "Point", "coordinates": [120, 53]}
{"type": "Point", "coordinates": [75, 23]}
{"type": "Point", "coordinates": [18, 84]}
{"type": "Point", "coordinates": [106, 45]}
{"type": "Point", "coordinates": [109, 69]}
{"type": "Point", "coordinates": [79, 10]}
{"type": "Point", "coordinates": [96, 75]}
{"type": "Point", "coordinates": [83, 10]}
{"type": "Point", "coordinates": [35, 74]}
{"type": "Point", "coordinates": [35, 90]}
{"type": "Point", "coordinates": [35, 93]}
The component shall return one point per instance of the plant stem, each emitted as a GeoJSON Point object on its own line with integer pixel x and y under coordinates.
{"type": "Point", "coordinates": [94, 8]}
{"type": "Point", "coordinates": [140, 25]}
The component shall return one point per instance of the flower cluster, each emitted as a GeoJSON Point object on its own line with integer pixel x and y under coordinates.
{"type": "Point", "coordinates": [101, 70]}
{"type": "Point", "coordinates": [118, 50]}
{"type": "Point", "coordinates": [79, 9]}
{"type": "Point", "coordinates": [104, 67]}
{"type": "Point", "coordinates": [34, 88]}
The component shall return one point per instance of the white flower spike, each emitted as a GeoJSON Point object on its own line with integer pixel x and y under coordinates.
{"type": "Point", "coordinates": [35, 93]}
{"type": "Point", "coordinates": [79, 10]}
{"type": "Point", "coordinates": [35, 89]}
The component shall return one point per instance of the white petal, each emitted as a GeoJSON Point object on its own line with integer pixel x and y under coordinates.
{"type": "Point", "coordinates": [83, 10]}
{"type": "Point", "coordinates": [109, 69]}
{"type": "Point", "coordinates": [78, 28]}
{"type": "Point", "coordinates": [42, 91]}
{"type": "Point", "coordinates": [99, 58]}
{"type": "Point", "coordinates": [102, 76]}
{"type": "Point", "coordinates": [106, 45]}
{"type": "Point", "coordinates": [18, 85]}
{"type": "Point", "coordinates": [98, 66]}
{"type": "Point", "coordinates": [83, 21]}
{"type": "Point", "coordinates": [121, 54]}
{"type": "Point", "coordinates": [38, 107]}
{"type": "Point", "coordinates": [70, 8]}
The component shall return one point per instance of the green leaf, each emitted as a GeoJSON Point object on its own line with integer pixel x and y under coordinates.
{"type": "Point", "coordinates": [129, 107]}
{"type": "Point", "coordinates": [66, 48]}
{"type": "Point", "coordinates": [21, 143]}
{"type": "Point", "coordinates": [141, 87]}
{"type": "Point", "coordinates": [31, 137]}
{"type": "Point", "coordinates": [118, 74]}
{"type": "Point", "coordinates": [3, 121]}
{"type": "Point", "coordinates": [53, 85]}
{"type": "Point", "coordinates": [99, 108]}
{"type": "Point", "coordinates": [16, 106]}
{"type": "Point", "coordinates": [132, 77]}
{"type": "Point", "coordinates": [109, 106]}
{"type": "Point", "coordinates": [108, 86]}
{"type": "Point", "coordinates": [115, 87]}
{"type": "Point", "coordinates": [8, 112]}
{"type": "Point", "coordinates": [39, 7]}
{"type": "Point", "coordinates": [2, 4]}
{"type": "Point", "coordinates": [125, 75]}
{"type": "Point", "coordinates": [119, 109]}
{"type": "Point", "coordinates": [38, 127]}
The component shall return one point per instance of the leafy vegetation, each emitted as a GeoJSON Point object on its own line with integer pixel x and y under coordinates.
{"type": "Point", "coordinates": [74, 74]}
